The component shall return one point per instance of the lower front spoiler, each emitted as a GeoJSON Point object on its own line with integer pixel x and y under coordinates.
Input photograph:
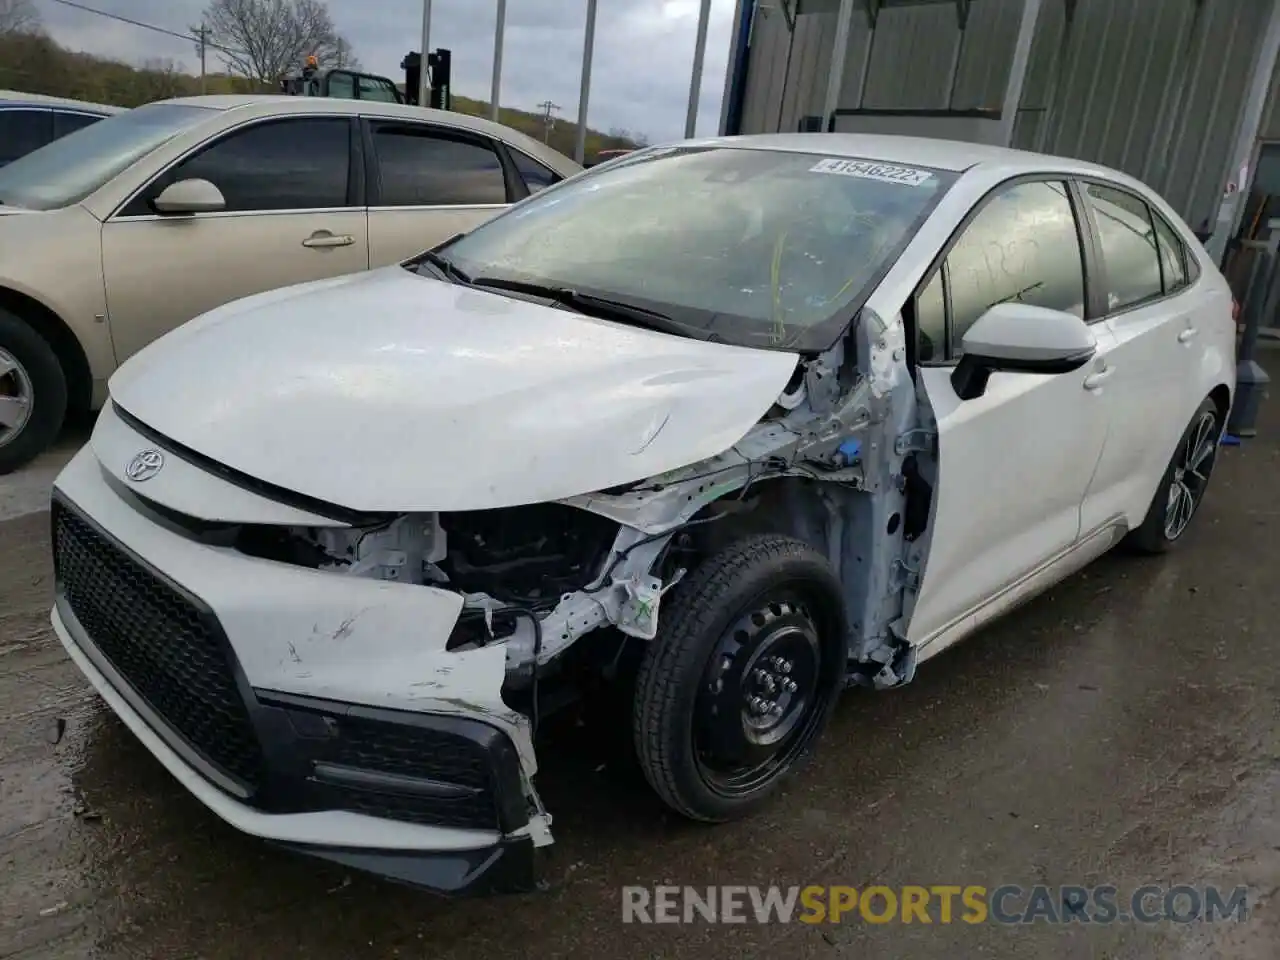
{"type": "Point", "coordinates": [506, 867]}
{"type": "Point", "coordinates": [448, 861]}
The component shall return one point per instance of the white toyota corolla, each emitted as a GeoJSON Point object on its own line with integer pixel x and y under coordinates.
{"type": "Point", "coordinates": [766, 417]}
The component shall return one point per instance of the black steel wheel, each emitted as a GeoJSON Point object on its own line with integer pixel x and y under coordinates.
{"type": "Point", "coordinates": [1183, 486]}
{"type": "Point", "coordinates": [740, 681]}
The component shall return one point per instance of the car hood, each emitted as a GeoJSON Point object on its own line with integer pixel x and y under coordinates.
{"type": "Point", "coordinates": [389, 391]}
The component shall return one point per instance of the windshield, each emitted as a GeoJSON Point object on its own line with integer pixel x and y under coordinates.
{"type": "Point", "coordinates": [72, 167]}
{"type": "Point", "coordinates": [760, 248]}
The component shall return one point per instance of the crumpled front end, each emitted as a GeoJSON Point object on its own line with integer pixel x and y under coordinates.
{"type": "Point", "coordinates": [331, 714]}
{"type": "Point", "coordinates": [366, 685]}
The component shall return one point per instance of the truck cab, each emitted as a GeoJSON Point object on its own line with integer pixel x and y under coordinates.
{"type": "Point", "coordinates": [347, 84]}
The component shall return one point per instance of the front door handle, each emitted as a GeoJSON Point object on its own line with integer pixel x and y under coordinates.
{"type": "Point", "coordinates": [325, 239]}
{"type": "Point", "coordinates": [1094, 381]}
{"type": "Point", "coordinates": [1187, 335]}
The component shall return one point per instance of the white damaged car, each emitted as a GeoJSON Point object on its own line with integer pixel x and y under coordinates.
{"type": "Point", "coordinates": [778, 415]}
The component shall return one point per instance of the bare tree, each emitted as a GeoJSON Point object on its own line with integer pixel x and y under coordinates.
{"type": "Point", "coordinates": [266, 39]}
{"type": "Point", "coordinates": [18, 16]}
{"type": "Point", "coordinates": [162, 79]}
{"type": "Point", "coordinates": [342, 57]}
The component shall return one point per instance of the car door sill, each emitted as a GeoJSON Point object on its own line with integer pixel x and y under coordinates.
{"type": "Point", "coordinates": [1075, 557]}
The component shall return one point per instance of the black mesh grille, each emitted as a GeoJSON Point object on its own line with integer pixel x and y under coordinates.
{"type": "Point", "coordinates": [159, 642]}
{"type": "Point", "coordinates": [417, 752]}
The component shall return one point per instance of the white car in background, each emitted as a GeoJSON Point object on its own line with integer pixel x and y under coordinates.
{"type": "Point", "coordinates": [121, 231]}
{"type": "Point", "coordinates": [826, 405]}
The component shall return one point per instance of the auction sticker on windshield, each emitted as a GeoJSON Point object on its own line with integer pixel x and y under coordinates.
{"type": "Point", "coordinates": [885, 172]}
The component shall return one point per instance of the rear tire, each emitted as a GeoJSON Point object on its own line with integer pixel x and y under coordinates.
{"type": "Point", "coordinates": [741, 680]}
{"type": "Point", "coordinates": [33, 393]}
{"type": "Point", "coordinates": [1182, 488]}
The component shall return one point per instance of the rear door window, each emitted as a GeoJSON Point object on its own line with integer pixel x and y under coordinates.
{"type": "Point", "coordinates": [1173, 255]}
{"type": "Point", "coordinates": [64, 122]}
{"type": "Point", "coordinates": [535, 176]}
{"type": "Point", "coordinates": [1129, 252]}
{"type": "Point", "coordinates": [422, 166]}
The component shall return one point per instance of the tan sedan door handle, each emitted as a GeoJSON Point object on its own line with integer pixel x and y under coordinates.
{"type": "Point", "coordinates": [325, 239]}
{"type": "Point", "coordinates": [1094, 381]}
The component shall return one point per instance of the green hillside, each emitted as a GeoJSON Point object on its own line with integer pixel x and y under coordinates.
{"type": "Point", "coordinates": [37, 64]}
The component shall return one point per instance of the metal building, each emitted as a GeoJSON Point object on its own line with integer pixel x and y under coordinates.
{"type": "Point", "coordinates": [1183, 94]}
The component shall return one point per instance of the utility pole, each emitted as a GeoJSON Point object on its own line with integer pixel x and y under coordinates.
{"type": "Point", "coordinates": [202, 34]}
{"type": "Point", "coordinates": [548, 121]}
{"type": "Point", "coordinates": [588, 48]}
{"type": "Point", "coordinates": [695, 82]}
{"type": "Point", "coordinates": [424, 77]}
{"type": "Point", "coordinates": [499, 29]}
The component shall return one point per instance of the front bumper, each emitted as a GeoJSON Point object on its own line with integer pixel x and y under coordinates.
{"type": "Point", "coordinates": [432, 799]}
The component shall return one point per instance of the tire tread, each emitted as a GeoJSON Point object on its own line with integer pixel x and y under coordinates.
{"type": "Point", "coordinates": [692, 611]}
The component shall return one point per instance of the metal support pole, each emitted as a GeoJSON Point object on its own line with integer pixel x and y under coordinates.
{"type": "Point", "coordinates": [1259, 305]}
{"type": "Point", "coordinates": [695, 81]}
{"type": "Point", "coordinates": [786, 74]}
{"type": "Point", "coordinates": [734, 65]}
{"type": "Point", "coordinates": [1018, 70]}
{"type": "Point", "coordinates": [1228, 214]}
{"type": "Point", "coordinates": [1063, 64]}
{"type": "Point", "coordinates": [499, 28]}
{"type": "Point", "coordinates": [424, 75]}
{"type": "Point", "coordinates": [868, 51]}
{"type": "Point", "coordinates": [839, 57]}
{"type": "Point", "coordinates": [588, 48]}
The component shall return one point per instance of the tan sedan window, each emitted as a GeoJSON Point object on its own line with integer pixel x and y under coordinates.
{"type": "Point", "coordinates": [419, 167]}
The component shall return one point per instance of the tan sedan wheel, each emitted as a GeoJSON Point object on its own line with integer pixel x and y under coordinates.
{"type": "Point", "coordinates": [33, 393]}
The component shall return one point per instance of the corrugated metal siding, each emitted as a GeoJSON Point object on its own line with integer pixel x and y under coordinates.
{"type": "Point", "coordinates": [912, 61]}
{"type": "Point", "coordinates": [911, 58]}
{"type": "Point", "coordinates": [775, 98]}
{"type": "Point", "coordinates": [1145, 88]}
{"type": "Point", "coordinates": [1150, 87]}
{"type": "Point", "coordinates": [987, 54]}
{"type": "Point", "coordinates": [1270, 126]}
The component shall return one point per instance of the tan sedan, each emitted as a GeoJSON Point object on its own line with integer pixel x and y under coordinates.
{"type": "Point", "coordinates": [121, 231]}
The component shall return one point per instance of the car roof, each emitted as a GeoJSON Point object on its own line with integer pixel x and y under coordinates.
{"type": "Point", "coordinates": [953, 155]}
{"type": "Point", "coordinates": [262, 105]}
{"type": "Point", "coordinates": [16, 98]}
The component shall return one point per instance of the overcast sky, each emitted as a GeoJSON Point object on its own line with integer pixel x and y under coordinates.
{"type": "Point", "coordinates": [643, 55]}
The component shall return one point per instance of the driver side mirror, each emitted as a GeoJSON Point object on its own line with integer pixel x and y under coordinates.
{"type": "Point", "coordinates": [189, 196]}
{"type": "Point", "coordinates": [1020, 338]}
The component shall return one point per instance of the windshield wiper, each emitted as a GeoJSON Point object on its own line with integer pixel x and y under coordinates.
{"type": "Point", "coordinates": [443, 264]}
{"type": "Point", "coordinates": [595, 306]}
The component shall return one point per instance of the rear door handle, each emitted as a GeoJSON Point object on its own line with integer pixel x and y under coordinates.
{"type": "Point", "coordinates": [328, 240]}
{"type": "Point", "coordinates": [1187, 335]}
{"type": "Point", "coordinates": [1094, 381]}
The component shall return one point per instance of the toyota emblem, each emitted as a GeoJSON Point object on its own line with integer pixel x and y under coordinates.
{"type": "Point", "coordinates": [144, 466]}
